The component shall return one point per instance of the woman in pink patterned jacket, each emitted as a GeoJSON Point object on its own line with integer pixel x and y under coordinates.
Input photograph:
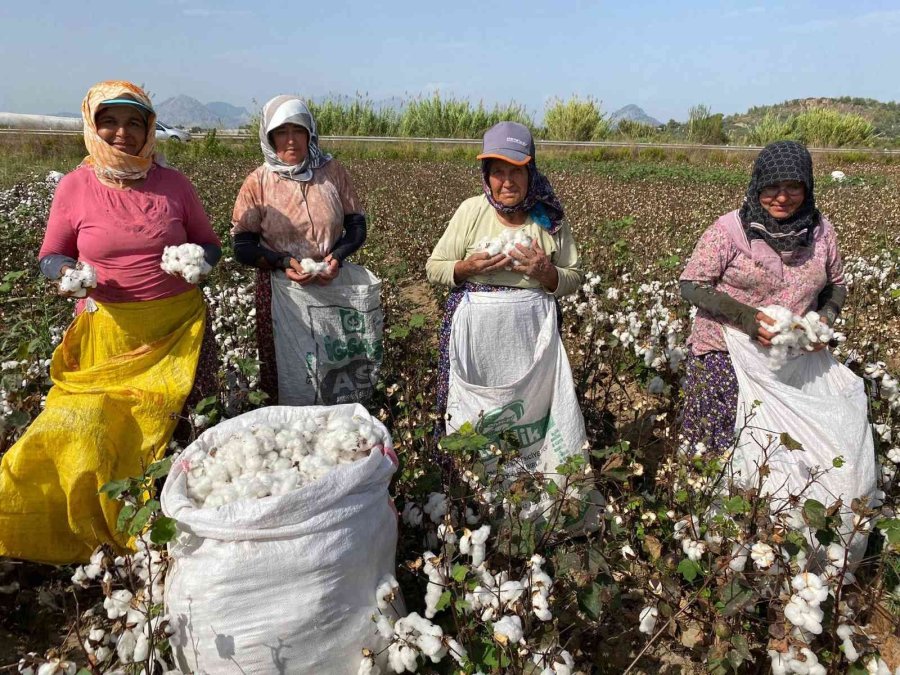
{"type": "Point", "coordinates": [777, 249]}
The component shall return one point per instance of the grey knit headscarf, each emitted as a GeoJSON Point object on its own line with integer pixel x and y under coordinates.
{"type": "Point", "coordinates": [781, 161]}
{"type": "Point", "coordinates": [290, 110]}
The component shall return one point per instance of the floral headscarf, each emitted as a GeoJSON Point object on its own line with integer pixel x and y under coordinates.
{"type": "Point", "coordinates": [111, 165]}
{"type": "Point", "coordinates": [290, 110]}
{"type": "Point", "coordinates": [540, 202]}
{"type": "Point", "coordinates": [777, 162]}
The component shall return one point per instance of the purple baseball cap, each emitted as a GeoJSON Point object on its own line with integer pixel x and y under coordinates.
{"type": "Point", "coordinates": [509, 141]}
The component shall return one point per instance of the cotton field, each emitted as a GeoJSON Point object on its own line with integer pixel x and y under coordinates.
{"type": "Point", "coordinates": [645, 558]}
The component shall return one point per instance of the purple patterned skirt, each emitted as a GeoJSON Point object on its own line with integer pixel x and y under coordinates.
{"type": "Point", "coordinates": [710, 407]}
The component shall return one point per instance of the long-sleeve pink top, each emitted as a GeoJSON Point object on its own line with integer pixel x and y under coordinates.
{"type": "Point", "coordinates": [719, 262]}
{"type": "Point", "coordinates": [122, 233]}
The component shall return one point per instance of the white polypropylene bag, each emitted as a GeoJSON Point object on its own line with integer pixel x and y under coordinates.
{"type": "Point", "coordinates": [819, 403]}
{"type": "Point", "coordinates": [328, 339]}
{"type": "Point", "coordinates": [509, 371]}
{"type": "Point", "coordinates": [280, 584]}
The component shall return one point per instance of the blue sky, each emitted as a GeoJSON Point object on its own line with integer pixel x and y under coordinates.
{"type": "Point", "coordinates": [662, 55]}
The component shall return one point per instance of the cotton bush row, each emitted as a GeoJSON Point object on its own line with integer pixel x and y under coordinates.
{"type": "Point", "coordinates": [187, 261]}
{"type": "Point", "coordinates": [274, 460]}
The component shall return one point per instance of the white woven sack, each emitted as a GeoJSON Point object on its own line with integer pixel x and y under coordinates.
{"type": "Point", "coordinates": [509, 371]}
{"type": "Point", "coordinates": [819, 403]}
{"type": "Point", "coordinates": [284, 583]}
{"type": "Point", "coordinates": [329, 336]}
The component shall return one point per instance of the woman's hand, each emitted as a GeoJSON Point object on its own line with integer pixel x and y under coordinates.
{"type": "Point", "coordinates": [479, 262]}
{"type": "Point", "coordinates": [763, 336]}
{"type": "Point", "coordinates": [329, 275]}
{"type": "Point", "coordinates": [81, 292]}
{"type": "Point", "coordinates": [295, 273]}
{"type": "Point", "coordinates": [533, 262]}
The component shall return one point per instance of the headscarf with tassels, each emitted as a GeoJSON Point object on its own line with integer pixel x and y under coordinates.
{"type": "Point", "coordinates": [112, 166]}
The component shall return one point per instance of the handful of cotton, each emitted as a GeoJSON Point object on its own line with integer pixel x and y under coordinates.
{"type": "Point", "coordinates": [794, 334]}
{"type": "Point", "coordinates": [310, 266]}
{"type": "Point", "coordinates": [505, 243]}
{"type": "Point", "coordinates": [186, 261]}
{"type": "Point", "coordinates": [264, 460]}
{"type": "Point", "coordinates": [78, 279]}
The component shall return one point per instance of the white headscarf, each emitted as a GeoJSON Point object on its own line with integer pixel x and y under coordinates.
{"type": "Point", "coordinates": [290, 110]}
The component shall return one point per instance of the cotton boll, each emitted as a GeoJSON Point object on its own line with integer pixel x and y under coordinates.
{"type": "Point", "coordinates": [648, 620]}
{"type": "Point", "coordinates": [387, 591]}
{"type": "Point", "coordinates": [762, 554]}
{"type": "Point", "coordinates": [310, 266]}
{"type": "Point", "coordinates": [187, 261]}
{"type": "Point", "coordinates": [508, 630]}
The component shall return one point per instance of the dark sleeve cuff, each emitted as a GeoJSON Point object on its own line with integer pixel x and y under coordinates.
{"type": "Point", "coordinates": [353, 238]}
{"type": "Point", "coordinates": [722, 306]}
{"type": "Point", "coordinates": [51, 265]}
{"type": "Point", "coordinates": [249, 251]}
{"type": "Point", "coordinates": [211, 253]}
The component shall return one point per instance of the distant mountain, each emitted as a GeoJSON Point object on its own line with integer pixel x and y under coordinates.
{"type": "Point", "coordinates": [185, 111]}
{"type": "Point", "coordinates": [65, 114]}
{"type": "Point", "coordinates": [234, 115]}
{"type": "Point", "coordinates": [635, 114]}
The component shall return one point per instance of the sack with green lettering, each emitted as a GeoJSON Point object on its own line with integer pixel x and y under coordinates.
{"type": "Point", "coordinates": [328, 339]}
{"type": "Point", "coordinates": [509, 373]}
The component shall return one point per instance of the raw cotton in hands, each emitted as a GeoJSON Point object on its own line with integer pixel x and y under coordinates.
{"type": "Point", "coordinates": [310, 266]}
{"type": "Point", "coordinates": [505, 243]}
{"type": "Point", "coordinates": [186, 261]}
{"type": "Point", "coordinates": [274, 460]}
{"type": "Point", "coordinates": [794, 334]}
{"type": "Point", "coordinates": [78, 279]}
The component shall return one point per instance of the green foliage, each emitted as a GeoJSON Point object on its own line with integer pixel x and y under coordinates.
{"type": "Point", "coordinates": [705, 127]}
{"type": "Point", "coordinates": [434, 117]}
{"type": "Point", "coordinates": [638, 131]}
{"type": "Point", "coordinates": [140, 510]}
{"type": "Point", "coordinates": [576, 120]}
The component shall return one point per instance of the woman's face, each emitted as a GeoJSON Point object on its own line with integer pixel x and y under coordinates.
{"type": "Point", "coordinates": [122, 126]}
{"type": "Point", "coordinates": [782, 199]}
{"type": "Point", "coordinates": [291, 143]}
{"type": "Point", "coordinates": [508, 182]}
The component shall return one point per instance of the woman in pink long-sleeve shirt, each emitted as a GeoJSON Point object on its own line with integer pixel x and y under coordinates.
{"type": "Point", "coordinates": [777, 249]}
{"type": "Point", "coordinates": [129, 362]}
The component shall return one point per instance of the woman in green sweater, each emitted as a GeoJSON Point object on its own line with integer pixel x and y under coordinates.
{"type": "Point", "coordinates": [512, 237]}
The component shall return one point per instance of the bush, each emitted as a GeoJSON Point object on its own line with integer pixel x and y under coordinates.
{"type": "Point", "coordinates": [634, 130]}
{"type": "Point", "coordinates": [576, 120]}
{"type": "Point", "coordinates": [769, 129]}
{"type": "Point", "coordinates": [705, 127]}
{"type": "Point", "coordinates": [825, 128]}
{"type": "Point", "coordinates": [435, 117]}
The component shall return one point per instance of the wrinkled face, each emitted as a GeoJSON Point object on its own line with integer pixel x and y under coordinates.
{"type": "Point", "coordinates": [291, 143]}
{"type": "Point", "coordinates": [122, 126]}
{"type": "Point", "coordinates": [782, 199]}
{"type": "Point", "coordinates": [508, 182]}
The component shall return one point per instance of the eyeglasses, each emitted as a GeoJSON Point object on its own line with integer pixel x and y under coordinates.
{"type": "Point", "coordinates": [789, 190]}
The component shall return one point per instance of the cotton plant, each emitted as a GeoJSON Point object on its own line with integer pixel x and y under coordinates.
{"type": "Point", "coordinates": [187, 261]}
{"type": "Point", "coordinates": [273, 460]}
{"type": "Point", "coordinates": [76, 280]}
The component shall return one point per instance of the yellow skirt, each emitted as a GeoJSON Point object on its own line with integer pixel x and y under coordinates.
{"type": "Point", "coordinates": [120, 379]}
